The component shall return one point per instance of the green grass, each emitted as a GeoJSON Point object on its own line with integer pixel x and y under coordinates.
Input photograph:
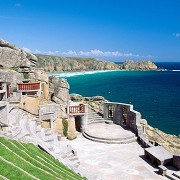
{"type": "Point", "coordinates": [32, 160]}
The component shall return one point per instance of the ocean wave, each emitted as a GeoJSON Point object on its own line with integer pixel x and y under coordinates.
{"type": "Point", "coordinates": [71, 74]}
{"type": "Point", "coordinates": [176, 70]}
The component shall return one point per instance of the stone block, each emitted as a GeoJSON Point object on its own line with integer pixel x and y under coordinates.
{"type": "Point", "coordinates": [30, 104]}
{"type": "Point", "coordinates": [71, 129]}
{"type": "Point", "coordinates": [58, 126]}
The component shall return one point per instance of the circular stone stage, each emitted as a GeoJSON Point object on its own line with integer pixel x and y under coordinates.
{"type": "Point", "coordinates": [109, 133]}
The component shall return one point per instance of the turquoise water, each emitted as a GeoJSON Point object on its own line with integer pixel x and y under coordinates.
{"type": "Point", "coordinates": [156, 94]}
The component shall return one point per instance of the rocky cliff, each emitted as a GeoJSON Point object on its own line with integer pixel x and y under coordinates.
{"type": "Point", "coordinates": [138, 65]}
{"type": "Point", "coordinates": [16, 65]}
{"type": "Point", "coordinates": [59, 64]}
{"type": "Point", "coordinates": [11, 56]}
{"type": "Point", "coordinates": [56, 63]}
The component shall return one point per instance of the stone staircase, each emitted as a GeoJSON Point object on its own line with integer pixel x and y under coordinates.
{"type": "Point", "coordinates": [94, 121]}
{"type": "Point", "coordinates": [94, 117]}
{"type": "Point", "coordinates": [121, 140]}
{"type": "Point", "coordinates": [173, 176]}
{"type": "Point", "coordinates": [26, 128]}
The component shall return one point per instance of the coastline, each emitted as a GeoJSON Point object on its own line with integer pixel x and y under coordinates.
{"type": "Point", "coordinates": [77, 73]}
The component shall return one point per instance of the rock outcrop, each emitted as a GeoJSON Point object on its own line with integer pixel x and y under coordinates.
{"type": "Point", "coordinates": [16, 65]}
{"type": "Point", "coordinates": [138, 65]}
{"type": "Point", "coordinates": [59, 90]}
{"type": "Point", "coordinates": [8, 75]}
{"type": "Point", "coordinates": [11, 56]}
{"type": "Point", "coordinates": [170, 142]}
{"type": "Point", "coordinates": [59, 64]}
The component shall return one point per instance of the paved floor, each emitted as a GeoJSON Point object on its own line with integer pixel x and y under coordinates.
{"type": "Point", "coordinates": [108, 131]}
{"type": "Point", "coordinates": [113, 161]}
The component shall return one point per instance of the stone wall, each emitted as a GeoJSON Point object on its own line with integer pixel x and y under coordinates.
{"type": "Point", "coordinates": [176, 161]}
{"type": "Point", "coordinates": [124, 115]}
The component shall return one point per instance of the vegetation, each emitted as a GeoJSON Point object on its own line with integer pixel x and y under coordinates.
{"type": "Point", "coordinates": [26, 161]}
{"type": "Point", "coordinates": [26, 75]}
{"type": "Point", "coordinates": [65, 125]}
{"type": "Point", "coordinates": [15, 69]}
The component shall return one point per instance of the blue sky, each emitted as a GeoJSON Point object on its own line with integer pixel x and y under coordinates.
{"type": "Point", "coordinates": [108, 29]}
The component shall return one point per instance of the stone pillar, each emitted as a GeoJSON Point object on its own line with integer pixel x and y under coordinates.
{"type": "Point", "coordinates": [71, 128]}
{"type": "Point", "coordinates": [84, 120]}
{"type": "Point", "coordinates": [117, 118]}
{"type": "Point", "coordinates": [45, 91]}
{"type": "Point", "coordinates": [105, 111]}
{"type": "Point", "coordinates": [58, 126]}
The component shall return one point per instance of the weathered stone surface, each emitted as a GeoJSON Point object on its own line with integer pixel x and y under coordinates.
{"type": "Point", "coordinates": [30, 104]}
{"type": "Point", "coordinates": [11, 56]}
{"type": "Point", "coordinates": [138, 65]}
{"type": "Point", "coordinates": [59, 90]}
{"type": "Point", "coordinates": [39, 75]}
{"type": "Point", "coordinates": [71, 129]}
{"type": "Point", "coordinates": [45, 124]}
{"type": "Point", "coordinates": [45, 91]}
{"type": "Point", "coordinates": [58, 126]}
{"type": "Point", "coordinates": [11, 76]}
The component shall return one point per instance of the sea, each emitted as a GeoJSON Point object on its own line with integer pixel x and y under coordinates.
{"type": "Point", "coordinates": [155, 94]}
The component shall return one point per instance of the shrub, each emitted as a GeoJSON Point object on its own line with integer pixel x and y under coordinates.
{"type": "Point", "coordinates": [65, 125]}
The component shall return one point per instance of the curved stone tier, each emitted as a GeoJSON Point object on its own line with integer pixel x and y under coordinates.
{"type": "Point", "coordinates": [109, 133]}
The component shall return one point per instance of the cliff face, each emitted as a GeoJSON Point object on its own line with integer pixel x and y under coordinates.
{"type": "Point", "coordinates": [138, 65]}
{"type": "Point", "coordinates": [11, 56]}
{"type": "Point", "coordinates": [16, 64]}
{"type": "Point", "coordinates": [55, 63]}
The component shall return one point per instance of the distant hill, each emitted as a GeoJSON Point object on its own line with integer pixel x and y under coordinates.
{"type": "Point", "coordinates": [57, 63]}
{"type": "Point", "coordinates": [60, 64]}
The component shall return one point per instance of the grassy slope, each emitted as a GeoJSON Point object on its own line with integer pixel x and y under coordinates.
{"type": "Point", "coordinates": [31, 161]}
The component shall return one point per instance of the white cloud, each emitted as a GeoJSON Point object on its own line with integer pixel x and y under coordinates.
{"type": "Point", "coordinates": [26, 49]}
{"type": "Point", "coordinates": [177, 35]}
{"type": "Point", "coordinates": [46, 52]}
{"type": "Point", "coordinates": [99, 53]}
{"type": "Point", "coordinates": [96, 53]}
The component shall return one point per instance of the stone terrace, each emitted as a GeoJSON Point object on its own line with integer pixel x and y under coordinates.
{"type": "Point", "coordinates": [109, 133]}
{"type": "Point", "coordinates": [113, 161]}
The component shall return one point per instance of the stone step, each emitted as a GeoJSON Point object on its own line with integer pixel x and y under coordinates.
{"type": "Point", "coordinates": [128, 137]}
{"type": "Point", "coordinates": [95, 118]}
{"type": "Point", "coordinates": [48, 132]}
{"type": "Point", "coordinates": [177, 174]}
{"type": "Point", "coordinates": [171, 176]}
{"type": "Point", "coordinates": [98, 121]}
{"type": "Point", "coordinates": [73, 158]}
{"type": "Point", "coordinates": [110, 141]}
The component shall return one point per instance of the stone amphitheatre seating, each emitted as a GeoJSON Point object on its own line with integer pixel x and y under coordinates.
{"type": "Point", "coordinates": [26, 128]}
